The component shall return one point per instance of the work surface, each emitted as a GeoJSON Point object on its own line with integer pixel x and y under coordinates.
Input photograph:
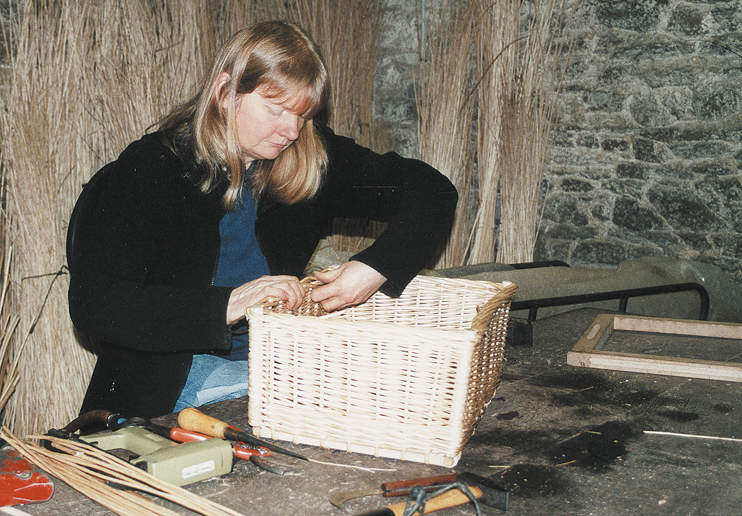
{"type": "Point", "coordinates": [563, 439]}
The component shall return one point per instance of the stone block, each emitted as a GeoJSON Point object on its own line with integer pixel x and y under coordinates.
{"type": "Point", "coordinates": [632, 170]}
{"type": "Point", "coordinates": [684, 209]}
{"type": "Point", "coordinates": [691, 20]}
{"type": "Point", "coordinates": [637, 16]}
{"type": "Point", "coordinates": [575, 185]}
{"type": "Point", "coordinates": [564, 210]}
{"type": "Point", "coordinates": [630, 214]}
{"type": "Point", "coordinates": [644, 150]}
{"type": "Point", "coordinates": [598, 252]}
{"type": "Point", "coordinates": [626, 187]}
{"type": "Point", "coordinates": [561, 232]}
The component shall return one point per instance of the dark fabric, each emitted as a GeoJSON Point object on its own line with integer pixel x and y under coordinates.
{"type": "Point", "coordinates": [133, 383]}
{"type": "Point", "coordinates": [145, 253]}
{"type": "Point", "coordinates": [147, 244]}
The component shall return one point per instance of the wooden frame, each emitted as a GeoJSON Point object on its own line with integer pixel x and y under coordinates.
{"type": "Point", "coordinates": [588, 351]}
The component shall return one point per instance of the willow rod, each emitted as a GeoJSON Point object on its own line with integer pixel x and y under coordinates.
{"type": "Point", "coordinates": [528, 109]}
{"type": "Point", "coordinates": [496, 35]}
{"type": "Point", "coordinates": [9, 376]}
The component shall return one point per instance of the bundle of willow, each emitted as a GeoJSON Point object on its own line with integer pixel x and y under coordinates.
{"type": "Point", "coordinates": [40, 166]}
{"type": "Point", "coordinates": [9, 376]}
{"type": "Point", "coordinates": [445, 110]}
{"type": "Point", "coordinates": [231, 16]}
{"type": "Point", "coordinates": [497, 33]}
{"type": "Point", "coordinates": [86, 78]}
{"type": "Point", "coordinates": [529, 96]}
{"type": "Point", "coordinates": [92, 472]}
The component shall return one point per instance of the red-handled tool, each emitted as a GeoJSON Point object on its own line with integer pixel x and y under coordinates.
{"type": "Point", "coordinates": [19, 483]}
{"type": "Point", "coordinates": [240, 450]}
{"type": "Point", "coordinates": [398, 488]}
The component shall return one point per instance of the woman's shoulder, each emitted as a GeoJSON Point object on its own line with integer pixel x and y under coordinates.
{"type": "Point", "coordinates": [148, 168]}
{"type": "Point", "coordinates": [151, 159]}
{"type": "Point", "coordinates": [150, 151]}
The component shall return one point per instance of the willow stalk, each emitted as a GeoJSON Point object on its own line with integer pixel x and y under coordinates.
{"type": "Point", "coordinates": [445, 110]}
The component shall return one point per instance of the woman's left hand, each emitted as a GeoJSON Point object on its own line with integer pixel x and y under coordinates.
{"type": "Point", "coordinates": [349, 284]}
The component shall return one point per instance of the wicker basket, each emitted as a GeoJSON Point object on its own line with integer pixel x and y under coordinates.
{"type": "Point", "coordinates": [406, 378]}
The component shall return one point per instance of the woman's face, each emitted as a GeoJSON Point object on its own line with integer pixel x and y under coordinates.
{"type": "Point", "coordinates": [265, 125]}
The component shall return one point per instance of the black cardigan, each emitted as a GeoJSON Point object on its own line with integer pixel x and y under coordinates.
{"type": "Point", "coordinates": [147, 243]}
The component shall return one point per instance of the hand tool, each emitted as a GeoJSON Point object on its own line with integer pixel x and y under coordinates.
{"type": "Point", "coordinates": [194, 419]}
{"type": "Point", "coordinates": [149, 447]}
{"type": "Point", "coordinates": [484, 490]}
{"type": "Point", "coordinates": [19, 483]}
{"type": "Point", "coordinates": [241, 451]}
{"type": "Point", "coordinates": [179, 464]}
{"type": "Point", "coordinates": [389, 489]}
{"type": "Point", "coordinates": [114, 421]}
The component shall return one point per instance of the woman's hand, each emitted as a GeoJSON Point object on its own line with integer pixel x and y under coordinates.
{"type": "Point", "coordinates": [350, 284]}
{"type": "Point", "coordinates": [286, 288]}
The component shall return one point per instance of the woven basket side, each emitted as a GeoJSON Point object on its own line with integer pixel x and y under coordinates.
{"type": "Point", "coordinates": [493, 307]}
{"type": "Point", "coordinates": [346, 385]}
{"type": "Point", "coordinates": [487, 367]}
{"type": "Point", "coordinates": [431, 302]}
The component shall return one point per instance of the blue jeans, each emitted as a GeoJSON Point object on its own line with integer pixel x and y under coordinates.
{"type": "Point", "coordinates": [213, 379]}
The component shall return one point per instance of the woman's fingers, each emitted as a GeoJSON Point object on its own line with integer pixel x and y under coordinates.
{"type": "Point", "coordinates": [330, 274]}
{"type": "Point", "coordinates": [350, 284]}
{"type": "Point", "coordinates": [285, 288]}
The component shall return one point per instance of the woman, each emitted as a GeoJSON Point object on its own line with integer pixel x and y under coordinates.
{"type": "Point", "coordinates": [222, 207]}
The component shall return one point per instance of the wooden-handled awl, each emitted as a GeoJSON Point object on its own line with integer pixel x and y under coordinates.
{"type": "Point", "coordinates": [196, 421]}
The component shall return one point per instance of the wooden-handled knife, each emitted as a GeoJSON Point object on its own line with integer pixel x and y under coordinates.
{"type": "Point", "coordinates": [398, 488]}
{"type": "Point", "coordinates": [485, 491]}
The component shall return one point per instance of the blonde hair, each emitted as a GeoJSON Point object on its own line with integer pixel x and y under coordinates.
{"type": "Point", "coordinates": [280, 59]}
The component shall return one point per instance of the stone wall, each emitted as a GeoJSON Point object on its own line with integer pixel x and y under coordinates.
{"type": "Point", "coordinates": [644, 160]}
{"type": "Point", "coordinates": [645, 156]}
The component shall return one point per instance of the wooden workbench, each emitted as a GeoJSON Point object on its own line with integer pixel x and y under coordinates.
{"type": "Point", "coordinates": [564, 439]}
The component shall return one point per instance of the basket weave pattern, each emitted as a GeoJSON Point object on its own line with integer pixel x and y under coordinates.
{"type": "Point", "coordinates": [406, 378]}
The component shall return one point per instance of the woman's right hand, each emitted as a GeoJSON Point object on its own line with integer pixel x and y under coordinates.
{"type": "Point", "coordinates": [286, 288]}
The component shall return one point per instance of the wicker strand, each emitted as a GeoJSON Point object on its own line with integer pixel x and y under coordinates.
{"type": "Point", "coordinates": [90, 471]}
{"type": "Point", "coordinates": [307, 307]}
{"type": "Point", "coordinates": [484, 316]}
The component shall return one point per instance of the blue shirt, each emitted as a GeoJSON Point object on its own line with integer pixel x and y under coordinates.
{"type": "Point", "coordinates": [240, 259]}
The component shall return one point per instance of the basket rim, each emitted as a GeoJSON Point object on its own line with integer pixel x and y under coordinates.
{"type": "Point", "coordinates": [494, 288]}
{"type": "Point", "coordinates": [258, 313]}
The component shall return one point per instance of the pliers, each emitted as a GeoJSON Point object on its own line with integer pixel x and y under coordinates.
{"type": "Point", "coordinates": [255, 455]}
